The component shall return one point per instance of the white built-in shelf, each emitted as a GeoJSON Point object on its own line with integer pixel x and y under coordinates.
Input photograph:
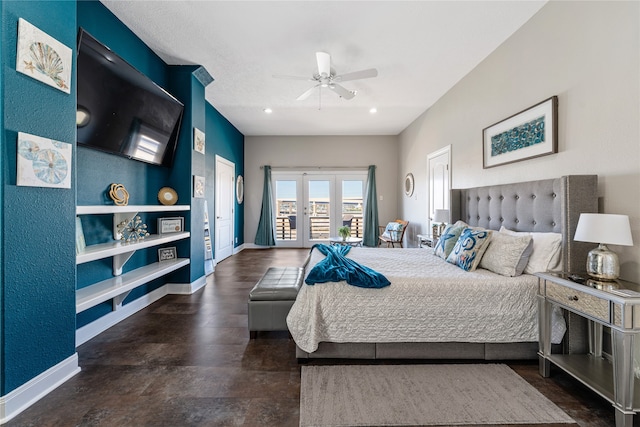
{"type": "Point", "coordinates": [118, 287]}
{"type": "Point", "coordinates": [110, 209]}
{"type": "Point", "coordinates": [105, 250]}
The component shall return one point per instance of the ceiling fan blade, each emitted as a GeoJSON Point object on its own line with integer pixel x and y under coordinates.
{"type": "Point", "coordinates": [280, 76]}
{"type": "Point", "coordinates": [341, 91]}
{"type": "Point", "coordinates": [363, 74]}
{"type": "Point", "coordinates": [324, 63]}
{"type": "Point", "coordinates": [307, 93]}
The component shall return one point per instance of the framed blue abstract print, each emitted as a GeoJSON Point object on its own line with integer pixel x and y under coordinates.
{"type": "Point", "coordinates": [525, 135]}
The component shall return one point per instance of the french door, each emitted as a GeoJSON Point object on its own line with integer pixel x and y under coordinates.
{"type": "Point", "coordinates": [309, 207]}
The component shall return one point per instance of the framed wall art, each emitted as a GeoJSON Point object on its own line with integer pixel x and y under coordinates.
{"type": "Point", "coordinates": [43, 162]}
{"type": "Point", "coordinates": [42, 57]}
{"type": "Point", "coordinates": [198, 140]}
{"type": "Point", "coordinates": [167, 254]}
{"type": "Point", "coordinates": [170, 225]}
{"type": "Point", "coordinates": [525, 135]}
{"type": "Point", "coordinates": [198, 186]}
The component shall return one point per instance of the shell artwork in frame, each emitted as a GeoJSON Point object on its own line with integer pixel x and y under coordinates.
{"type": "Point", "coordinates": [198, 186]}
{"type": "Point", "coordinates": [42, 57]}
{"type": "Point", "coordinates": [43, 162]}
{"type": "Point", "coordinates": [198, 140]}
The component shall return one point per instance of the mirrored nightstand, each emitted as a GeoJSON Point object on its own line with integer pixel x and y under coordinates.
{"type": "Point", "coordinates": [426, 241]}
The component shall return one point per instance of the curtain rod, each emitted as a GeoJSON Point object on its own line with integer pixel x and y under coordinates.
{"type": "Point", "coordinates": [351, 168]}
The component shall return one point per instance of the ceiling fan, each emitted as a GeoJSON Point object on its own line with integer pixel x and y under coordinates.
{"type": "Point", "coordinates": [326, 77]}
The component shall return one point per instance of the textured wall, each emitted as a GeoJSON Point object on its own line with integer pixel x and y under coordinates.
{"type": "Point", "coordinates": [2, 168]}
{"type": "Point", "coordinates": [190, 90]}
{"type": "Point", "coordinates": [38, 264]}
{"type": "Point", "coordinates": [224, 140]}
{"type": "Point", "coordinates": [97, 170]}
{"type": "Point", "coordinates": [586, 53]}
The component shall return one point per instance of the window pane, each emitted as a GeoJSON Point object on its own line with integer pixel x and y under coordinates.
{"type": "Point", "coordinates": [319, 209]}
{"type": "Point", "coordinates": [286, 210]}
{"type": "Point", "coordinates": [352, 196]}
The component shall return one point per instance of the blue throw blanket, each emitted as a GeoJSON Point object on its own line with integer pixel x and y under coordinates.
{"type": "Point", "coordinates": [336, 267]}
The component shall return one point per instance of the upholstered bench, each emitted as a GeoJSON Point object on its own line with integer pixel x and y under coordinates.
{"type": "Point", "coordinates": [272, 297]}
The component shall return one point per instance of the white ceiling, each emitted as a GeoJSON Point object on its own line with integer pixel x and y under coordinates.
{"type": "Point", "coordinates": [420, 48]}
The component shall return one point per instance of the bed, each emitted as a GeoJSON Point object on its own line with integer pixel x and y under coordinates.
{"type": "Point", "coordinates": [436, 310]}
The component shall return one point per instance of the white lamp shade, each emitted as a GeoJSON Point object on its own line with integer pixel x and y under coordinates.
{"type": "Point", "coordinates": [609, 229]}
{"type": "Point", "coordinates": [441, 215]}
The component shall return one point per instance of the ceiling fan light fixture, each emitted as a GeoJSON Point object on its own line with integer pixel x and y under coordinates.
{"type": "Point", "coordinates": [327, 78]}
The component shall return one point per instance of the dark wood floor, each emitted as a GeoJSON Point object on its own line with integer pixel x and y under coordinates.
{"type": "Point", "coordinates": [188, 361]}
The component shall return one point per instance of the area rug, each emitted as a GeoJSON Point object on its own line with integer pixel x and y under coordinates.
{"type": "Point", "coordinates": [432, 395]}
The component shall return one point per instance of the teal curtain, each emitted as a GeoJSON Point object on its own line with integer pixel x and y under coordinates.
{"type": "Point", "coordinates": [265, 235]}
{"type": "Point", "coordinates": [371, 210]}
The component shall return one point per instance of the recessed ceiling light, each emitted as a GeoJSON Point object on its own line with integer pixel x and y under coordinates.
{"type": "Point", "coordinates": [268, 110]}
{"type": "Point", "coordinates": [373, 110]}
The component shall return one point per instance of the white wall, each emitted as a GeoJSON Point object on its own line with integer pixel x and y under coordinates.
{"type": "Point", "coordinates": [320, 151]}
{"type": "Point", "coordinates": [586, 53]}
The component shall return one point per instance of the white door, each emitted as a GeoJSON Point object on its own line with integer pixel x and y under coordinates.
{"type": "Point", "coordinates": [225, 180]}
{"type": "Point", "coordinates": [318, 217]}
{"type": "Point", "coordinates": [439, 173]}
{"type": "Point", "coordinates": [287, 188]}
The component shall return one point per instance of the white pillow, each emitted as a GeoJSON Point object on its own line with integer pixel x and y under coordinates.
{"type": "Point", "coordinates": [507, 255]}
{"type": "Point", "coordinates": [547, 251]}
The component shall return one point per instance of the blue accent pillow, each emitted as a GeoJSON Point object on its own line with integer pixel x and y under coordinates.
{"type": "Point", "coordinates": [448, 240]}
{"type": "Point", "coordinates": [469, 248]}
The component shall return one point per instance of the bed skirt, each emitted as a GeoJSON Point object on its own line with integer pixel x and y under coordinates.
{"type": "Point", "coordinates": [425, 351]}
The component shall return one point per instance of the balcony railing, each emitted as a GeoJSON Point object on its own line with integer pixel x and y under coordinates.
{"type": "Point", "coordinates": [287, 227]}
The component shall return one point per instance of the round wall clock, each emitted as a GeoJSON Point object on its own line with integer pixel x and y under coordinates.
{"type": "Point", "coordinates": [408, 185]}
{"type": "Point", "coordinates": [240, 189]}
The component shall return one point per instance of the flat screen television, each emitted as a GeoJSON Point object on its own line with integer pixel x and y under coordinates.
{"type": "Point", "coordinates": [122, 111]}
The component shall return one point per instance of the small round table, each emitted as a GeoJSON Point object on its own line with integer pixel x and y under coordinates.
{"type": "Point", "coordinates": [349, 241]}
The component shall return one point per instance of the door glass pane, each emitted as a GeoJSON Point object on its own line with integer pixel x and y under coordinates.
{"type": "Point", "coordinates": [286, 210]}
{"type": "Point", "coordinates": [319, 210]}
{"type": "Point", "coordinates": [352, 206]}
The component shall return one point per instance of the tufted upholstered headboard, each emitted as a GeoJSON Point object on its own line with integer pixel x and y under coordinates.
{"type": "Point", "coordinates": [550, 205]}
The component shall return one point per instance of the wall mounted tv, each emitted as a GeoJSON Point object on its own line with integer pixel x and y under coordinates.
{"type": "Point", "coordinates": [122, 111]}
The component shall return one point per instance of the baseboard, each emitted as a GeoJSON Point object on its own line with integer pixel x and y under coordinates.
{"type": "Point", "coordinates": [100, 325]}
{"type": "Point", "coordinates": [30, 392]}
{"type": "Point", "coordinates": [254, 246]}
{"type": "Point", "coordinates": [238, 249]}
{"type": "Point", "coordinates": [186, 288]}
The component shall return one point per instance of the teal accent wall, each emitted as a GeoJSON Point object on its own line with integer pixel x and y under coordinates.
{"type": "Point", "coordinates": [225, 140]}
{"type": "Point", "coordinates": [2, 144]}
{"type": "Point", "coordinates": [184, 85]}
{"type": "Point", "coordinates": [38, 249]}
{"type": "Point", "coordinates": [37, 246]}
{"type": "Point", "coordinates": [97, 170]}
{"type": "Point", "coordinates": [95, 18]}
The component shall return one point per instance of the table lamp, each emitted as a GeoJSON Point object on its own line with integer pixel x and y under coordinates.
{"type": "Point", "coordinates": [604, 229]}
{"type": "Point", "coordinates": [440, 218]}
